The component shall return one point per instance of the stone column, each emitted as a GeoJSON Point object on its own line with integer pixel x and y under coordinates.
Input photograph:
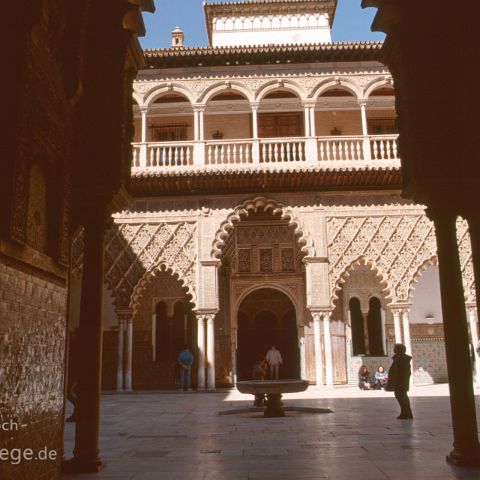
{"type": "Point", "coordinates": [397, 325]}
{"type": "Point", "coordinates": [303, 360]}
{"type": "Point", "coordinates": [199, 145]}
{"type": "Point", "coordinates": [201, 125]}
{"type": "Point", "coordinates": [143, 147]}
{"type": "Point", "coordinates": [363, 113]}
{"type": "Point", "coordinates": [144, 112]}
{"type": "Point", "coordinates": [196, 130]}
{"type": "Point", "coordinates": [473, 318]}
{"type": "Point", "coordinates": [313, 129]}
{"type": "Point", "coordinates": [367, 154]}
{"type": "Point", "coordinates": [328, 350]}
{"type": "Point", "coordinates": [254, 121]}
{"type": "Point", "coordinates": [86, 454]}
{"type": "Point", "coordinates": [306, 111]}
{"type": "Point", "coordinates": [318, 349]}
{"type": "Point", "coordinates": [406, 331]}
{"type": "Point", "coordinates": [233, 344]}
{"type": "Point", "coordinates": [255, 140]}
{"type": "Point", "coordinates": [201, 351]}
{"type": "Point", "coordinates": [120, 354]}
{"type": "Point", "coordinates": [210, 320]}
{"type": "Point", "coordinates": [466, 448]}
{"type": "Point", "coordinates": [128, 367]}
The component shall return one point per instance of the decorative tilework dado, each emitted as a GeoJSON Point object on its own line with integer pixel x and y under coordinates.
{"type": "Point", "coordinates": [32, 345]}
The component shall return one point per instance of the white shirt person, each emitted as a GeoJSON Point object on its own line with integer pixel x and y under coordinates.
{"type": "Point", "coordinates": [274, 359]}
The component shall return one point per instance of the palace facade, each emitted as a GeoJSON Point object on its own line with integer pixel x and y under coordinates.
{"type": "Point", "coordinates": [267, 210]}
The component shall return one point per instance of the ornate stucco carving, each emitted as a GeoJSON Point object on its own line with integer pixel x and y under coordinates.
{"type": "Point", "coordinates": [394, 246]}
{"type": "Point", "coordinates": [465, 251]}
{"type": "Point", "coordinates": [398, 247]}
{"type": "Point", "coordinates": [268, 205]}
{"type": "Point", "coordinates": [360, 81]}
{"type": "Point", "coordinates": [134, 252]}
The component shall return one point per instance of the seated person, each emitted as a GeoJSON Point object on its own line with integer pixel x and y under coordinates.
{"type": "Point", "coordinates": [381, 377]}
{"type": "Point", "coordinates": [364, 378]}
{"type": "Point", "coordinates": [260, 370]}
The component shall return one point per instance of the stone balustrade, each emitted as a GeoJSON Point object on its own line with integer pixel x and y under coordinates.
{"type": "Point", "coordinates": [369, 151]}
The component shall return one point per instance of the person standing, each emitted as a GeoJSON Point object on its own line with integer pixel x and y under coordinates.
{"type": "Point", "coordinates": [185, 361]}
{"type": "Point", "coordinates": [399, 379]}
{"type": "Point", "coordinates": [274, 359]}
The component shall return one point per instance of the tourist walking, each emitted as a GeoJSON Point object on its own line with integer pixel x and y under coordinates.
{"type": "Point", "coordinates": [274, 359]}
{"type": "Point", "coordinates": [399, 379]}
{"type": "Point", "coordinates": [185, 361]}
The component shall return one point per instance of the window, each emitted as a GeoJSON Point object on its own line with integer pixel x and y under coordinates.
{"type": "Point", "coordinates": [172, 132]}
{"type": "Point", "coordinates": [381, 126]}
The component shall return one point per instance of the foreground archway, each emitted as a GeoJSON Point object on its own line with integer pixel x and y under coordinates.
{"type": "Point", "coordinates": [267, 317]}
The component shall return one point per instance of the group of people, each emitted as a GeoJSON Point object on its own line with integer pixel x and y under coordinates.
{"type": "Point", "coordinates": [268, 366]}
{"type": "Point", "coordinates": [367, 382]}
{"type": "Point", "coordinates": [396, 380]}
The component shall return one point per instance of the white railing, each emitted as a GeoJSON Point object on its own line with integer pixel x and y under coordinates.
{"type": "Point", "coordinates": [282, 151]}
{"type": "Point", "coordinates": [330, 152]}
{"type": "Point", "coordinates": [159, 154]}
{"type": "Point", "coordinates": [340, 148]}
{"type": "Point", "coordinates": [384, 147]}
{"type": "Point", "coordinates": [229, 152]}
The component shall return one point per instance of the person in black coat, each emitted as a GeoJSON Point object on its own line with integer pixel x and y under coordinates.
{"type": "Point", "coordinates": [399, 379]}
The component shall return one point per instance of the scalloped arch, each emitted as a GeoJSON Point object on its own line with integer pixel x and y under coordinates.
{"type": "Point", "coordinates": [267, 285]}
{"type": "Point", "coordinates": [332, 83]}
{"type": "Point", "coordinates": [427, 263]}
{"type": "Point", "coordinates": [252, 205]}
{"type": "Point", "coordinates": [374, 84]}
{"type": "Point", "coordinates": [159, 90]}
{"type": "Point", "coordinates": [273, 85]}
{"type": "Point", "coordinates": [141, 285]}
{"type": "Point", "coordinates": [387, 288]}
{"type": "Point", "coordinates": [212, 90]}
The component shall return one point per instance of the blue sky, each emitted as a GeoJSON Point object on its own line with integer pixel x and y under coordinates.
{"type": "Point", "coordinates": [351, 23]}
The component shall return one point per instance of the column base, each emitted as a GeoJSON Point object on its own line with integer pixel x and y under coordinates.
{"type": "Point", "coordinates": [470, 459]}
{"type": "Point", "coordinates": [76, 465]}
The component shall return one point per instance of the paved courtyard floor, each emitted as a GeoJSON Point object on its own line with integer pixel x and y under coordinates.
{"type": "Point", "coordinates": [181, 436]}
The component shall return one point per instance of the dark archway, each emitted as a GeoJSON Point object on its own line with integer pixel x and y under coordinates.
{"type": "Point", "coordinates": [375, 329]}
{"type": "Point", "coordinates": [356, 320]}
{"type": "Point", "coordinates": [267, 317]}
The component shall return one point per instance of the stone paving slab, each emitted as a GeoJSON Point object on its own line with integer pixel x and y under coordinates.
{"type": "Point", "coordinates": [181, 436]}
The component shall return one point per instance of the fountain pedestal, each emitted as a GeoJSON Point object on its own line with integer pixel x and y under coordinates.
{"type": "Point", "coordinates": [273, 389]}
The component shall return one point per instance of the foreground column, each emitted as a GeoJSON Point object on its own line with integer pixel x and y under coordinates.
{"type": "Point", "coordinates": [210, 352]}
{"type": "Point", "coordinates": [466, 449]}
{"type": "Point", "coordinates": [328, 350]}
{"type": "Point", "coordinates": [318, 349]}
{"type": "Point", "coordinates": [86, 454]}
{"type": "Point", "coordinates": [201, 352]}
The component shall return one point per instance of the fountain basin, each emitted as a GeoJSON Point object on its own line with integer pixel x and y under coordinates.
{"type": "Point", "coordinates": [273, 389]}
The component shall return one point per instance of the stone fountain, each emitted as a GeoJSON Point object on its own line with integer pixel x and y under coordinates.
{"type": "Point", "coordinates": [273, 389]}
